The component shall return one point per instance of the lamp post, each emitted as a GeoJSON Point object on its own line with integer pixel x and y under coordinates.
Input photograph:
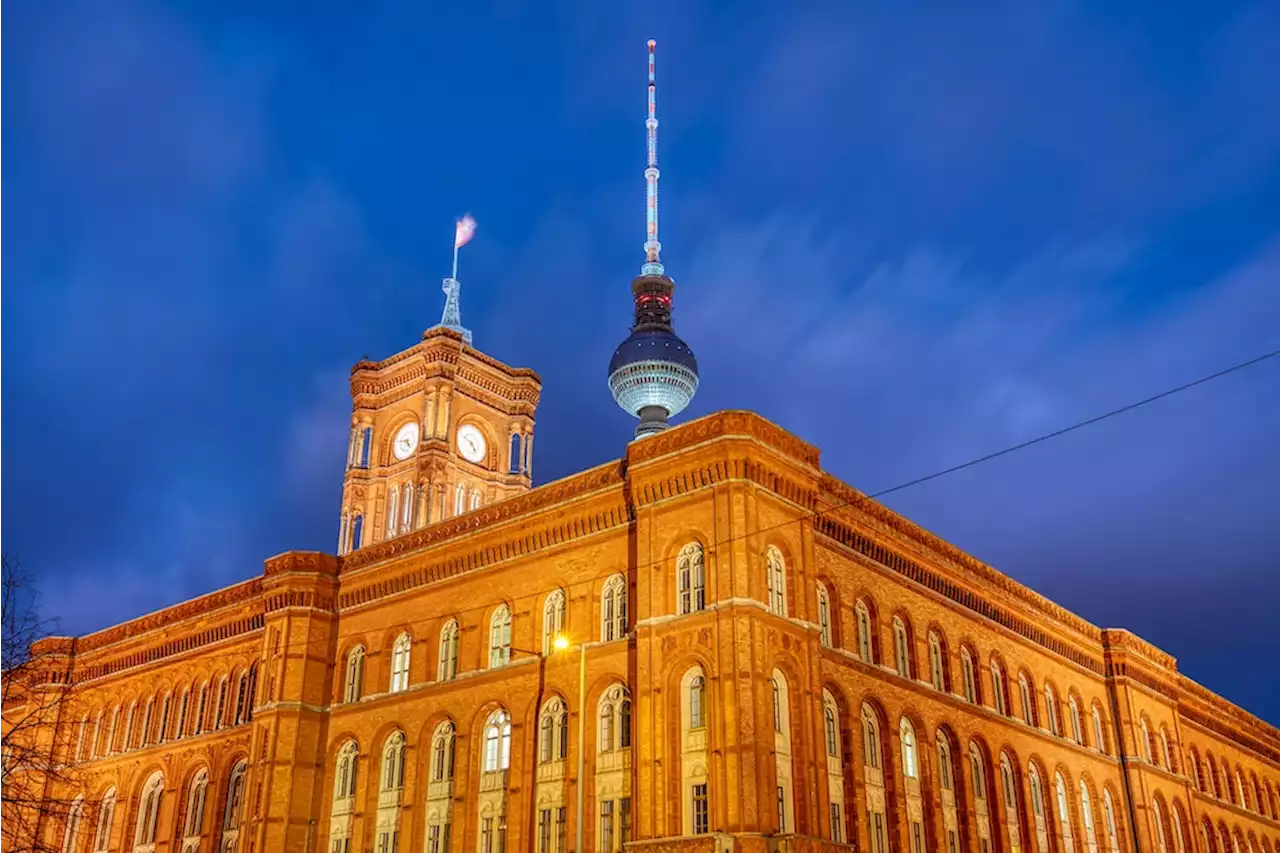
{"type": "Point", "coordinates": [561, 643]}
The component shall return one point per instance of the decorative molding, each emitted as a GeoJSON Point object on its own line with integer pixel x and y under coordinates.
{"type": "Point", "coordinates": [720, 425]}
{"type": "Point", "coordinates": [301, 561]}
{"type": "Point", "coordinates": [166, 618]}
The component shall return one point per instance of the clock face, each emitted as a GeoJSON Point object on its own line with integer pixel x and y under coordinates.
{"type": "Point", "coordinates": [406, 441]}
{"type": "Point", "coordinates": [471, 443]}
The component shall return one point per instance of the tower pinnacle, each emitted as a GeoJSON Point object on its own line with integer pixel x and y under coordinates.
{"type": "Point", "coordinates": [464, 230]}
{"type": "Point", "coordinates": [653, 374]}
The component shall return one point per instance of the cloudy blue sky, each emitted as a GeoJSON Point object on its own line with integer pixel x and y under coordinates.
{"type": "Point", "coordinates": [912, 235]}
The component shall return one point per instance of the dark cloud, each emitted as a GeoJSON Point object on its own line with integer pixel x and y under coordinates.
{"type": "Point", "coordinates": [911, 239]}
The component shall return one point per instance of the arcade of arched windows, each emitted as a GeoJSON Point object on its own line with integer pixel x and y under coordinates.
{"type": "Point", "coordinates": [212, 702]}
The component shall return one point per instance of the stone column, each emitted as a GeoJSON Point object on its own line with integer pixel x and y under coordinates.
{"type": "Point", "coordinates": [444, 412]}
{"type": "Point", "coordinates": [428, 413]}
{"type": "Point", "coordinates": [423, 518]}
{"type": "Point", "coordinates": [528, 455]}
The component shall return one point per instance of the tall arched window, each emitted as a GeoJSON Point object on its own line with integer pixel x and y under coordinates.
{"type": "Point", "coordinates": [193, 822]}
{"type": "Point", "coordinates": [75, 820]}
{"type": "Point", "coordinates": [344, 779]}
{"type": "Point", "coordinates": [937, 674]}
{"type": "Point", "coordinates": [1099, 738]}
{"type": "Point", "coordinates": [777, 705]}
{"type": "Point", "coordinates": [1051, 709]}
{"type": "Point", "coordinates": [910, 760]}
{"type": "Point", "coordinates": [1028, 704]}
{"type": "Point", "coordinates": [500, 637]}
{"type": "Point", "coordinates": [393, 502]}
{"type": "Point", "coordinates": [442, 752]}
{"type": "Point", "coordinates": [166, 710]}
{"type": "Point", "coordinates": [1036, 784]}
{"type": "Point", "coordinates": [1144, 740]}
{"type": "Point", "coordinates": [615, 719]}
{"type": "Point", "coordinates": [447, 664]}
{"type": "Point", "coordinates": [947, 794]}
{"type": "Point", "coordinates": [459, 499]}
{"type": "Point", "coordinates": [406, 508]}
{"type": "Point", "coordinates": [613, 609]}
{"type": "Point", "coordinates": [830, 729]}
{"type": "Point", "coordinates": [144, 834]}
{"type": "Point", "coordinates": [1086, 810]}
{"type": "Point", "coordinates": [552, 619]}
{"type": "Point", "coordinates": [776, 569]}
{"type": "Point", "coordinates": [901, 648]}
{"type": "Point", "coordinates": [497, 742]}
{"type": "Point", "coordinates": [691, 579]}
{"type": "Point", "coordinates": [553, 741]}
{"type": "Point", "coordinates": [393, 762]}
{"type": "Point", "coordinates": [1157, 817]}
{"type": "Point", "coordinates": [1009, 798]}
{"type": "Point", "coordinates": [967, 676]}
{"type": "Point", "coordinates": [998, 689]}
{"type": "Point", "coordinates": [1175, 820]}
{"type": "Point", "coordinates": [1065, 835]}
{"type": "Point", "coordinates": [697, 702]}
{"type": "Point", "coordinates": [148, 718]}
{"type": "Point", "coordinates": [357, 532]}
{"type": "Point", "coordinates": [106, 816]}
{"type": "Point", "coordinates": [354, 685]}
{"type": "Point", "coordinates": [1166, 758]}
{"type": "Point", "coordinates": [1109, 824]}
{"type": "Point", "coordinates": [870, 738]}
{"type": "Point", "coordinates": [873, 774]}
{"type": "Point", "coordinates": [863, 614]}
{"type": "Point", "coordinates": [784, 792]}
{"type": "Point", "coordinates": [233, 808]}
{"type": "Point", "coordinates": [400, 663]}
{"type": "Point", "coordinates": [824, 616]}
{"type": "Point", "coordinates": [835, 766]}
{"type": "Point", "coordinates": [476, 500]}
{"type": "Point", "coordinates": [1073, 709]}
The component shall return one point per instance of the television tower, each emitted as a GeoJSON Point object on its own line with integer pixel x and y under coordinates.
{"type": "Point", "coordinates": [653, 374]}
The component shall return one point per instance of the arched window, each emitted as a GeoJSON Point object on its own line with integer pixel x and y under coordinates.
{"type": "Point", "coordinates": [978, 772]}
{"type": "Point", "coordinates": [475, 499]}
{"type": "Point", "coordinates": [344, 779]}
{"type": "Point", "coordinates": [691, 579]}
{"type": "Point", "coordinates": [144, 834]}
{"type": "Point", "coordinates": [1157, 817]}
{"type": "Point", "coordinates": [1009, 799]}
{"type": "Point", "coordinates": [553, 742]}
{"type": "Point", "coordinates": [870, 738]}
{"type": "Point", "coordinates": [777, 705]}
{"type": "Point", "coordinates": [901, 648]}
{"type": "Point", "coordinates": [863, 614]}
{"type": "Point", "coordinates": [148, 717]}
{"type": "Point", "coordinates": [947, 794]}
{"type": "Point", "coordinates": [776, 570]}
{"type": "Point", "coordinates": [357, 532]}
{"type": "Point", "coordinates": [946, 781]}
{"type": "Point", "coordinates": [354, 685]}
{"type": "Point", "coordinates": [366, 445]}
{"type": "Point", "coordinates": [835, 767]}
{"type": "Point", "coordinates": [937, 673]}
{"type": "Point", "coordinates": [193, 822]}
{"type": "Point", "coordinates": [442, 752]}
{"type": "Point", "coordinates": [106, 816]}
{"type": "Point", "coordinates": [75, 818]}
{"type": "Point", "coordinates": [497, 742]}
{"type": "Point", "coordinates": [615, 719]}
{"type": "Point", "coordinates": [459, 499]}
{"type": "Point", "coordinates": [967, 676]}
{"type": "Point", "coordinates": [1086, 809]}
{"type": "Point", "coordinates": [1144, 740]}
{"type": "Point", "coordinates": [80, 738]}
{"type": "Point", "coordinates": [831, 727]}
{"type": "Point", "coordinates": [998, 689]}
{"type": "Point", "coordinates": [500, 637]}
{"type": "Point", "coordinates": [910, 761]}
{"type": "Point", "coordinates": [824, 616]}
{"type": "Point", "coordinates": [1099, 738]}
{"type": "Point", "coordinates": [166, 708]}
{"type": "Point", "coordinates": [1166, 759]}
{"type": "Point", "coordinates": [1064, 815]}
{"type": "Point", "coordinates": [1073, 710]}
{"type": "Point", "coordinates": [184, 707]}
{"type": "Point", "coordinates": [552, 619]}
{"type": "Point", "coordinates": [1239, 799]}
{"type": "Point", "coordinates": [514, 454]}
{"type": "Point", "coordinates": [697, 702]}
{"type": "Point", "coordinates": [447, 665]}
{"type": "Point", "coordinates": [233, 808]}
{"type": "Point", "coordinates": [1051, 709]}
{"type": "Point", "coordinates": [1109, 824]}
{"type": "Point", "coordinates": [1028, 704]}
{"type": "Point", "coordinates": [393, 495]}
{"type": "Point", "coordinates": [1038, 816]}
{"type": "Point", "coordinates": [400, 663]}
{"type": "Point", "coordinates": [613, 609]}
{"type": "Point", "coordinates": [1176, 823]}
{"type": "Point", "coordinates": [406, 508]}
{"type": "Point", "coordinates": [393, 762]}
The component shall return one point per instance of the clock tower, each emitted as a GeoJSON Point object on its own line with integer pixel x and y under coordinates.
{"type": "Point", "coordinates": [437, 430]}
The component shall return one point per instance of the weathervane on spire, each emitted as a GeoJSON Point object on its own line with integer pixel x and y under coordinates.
{"type": "Point", "coordinates": [464, 230]}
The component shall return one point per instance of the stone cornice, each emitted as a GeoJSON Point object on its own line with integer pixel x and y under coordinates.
{"type": "Point", "coordinates": [1120, 638]}
{"type": "Point", "coordinates": [442, 353]}
{"type": "Point", "coordinates": [1227, 719]}
{"type": "Point", "coordinates": [720, 425]}
{"type": "Point", "coordinates": [169, 617]}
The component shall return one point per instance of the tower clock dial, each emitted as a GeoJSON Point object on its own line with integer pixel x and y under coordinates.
{"type": "Point", "coordinates": [406, 441]}
{"type": "Point", "coordinates": [471, 443]}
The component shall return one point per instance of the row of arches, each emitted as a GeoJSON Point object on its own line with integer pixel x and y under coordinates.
{"type": "Point", "coordinates": [92, 826]}
{"type": "Point", "coordinates": [1214, 777]}
{"type": "Point", "coordinates": [215, 703]}
{"type": "Point", "coordinates": [613, 626]}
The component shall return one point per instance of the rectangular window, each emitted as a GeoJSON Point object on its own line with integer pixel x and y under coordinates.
{"type": "Point", "coordinates": [560, 829]}
{"type": "Point", "coordinates": [701, 819]}
{"type": "Point", "coordinates": [606, 827]}
{"type": "Point", "coordinates": [544, 831]}
{"type": "Point", "coordinates": [837, 830]}
{"type": "Point", "coordinates": [447, 834]}
{"type": "Point", "coordinates": [384, 842]}
{"type": "Point", "coordinates": [624, 820]}
{"type": "Point", "coordinates": [917, 837]}
{"type": "Point", "coordinates": [878, 841]}
{"type": "Point", "coordinates": [782, 809]}
{"type": "Point", "coordinates": [433, 839]}
{"type": "Point", "coordinates": [953, 843]}
{"type": "Point", "coordinates": [486, 835]}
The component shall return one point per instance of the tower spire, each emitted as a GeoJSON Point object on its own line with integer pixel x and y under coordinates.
{"type": "Point", "coordinates": [463, 231]}
{"type": "Point", "coordinates": [652, 248]}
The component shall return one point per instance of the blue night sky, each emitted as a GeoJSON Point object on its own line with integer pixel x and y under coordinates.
{"type": "Point", "coordinates": [911, 236]}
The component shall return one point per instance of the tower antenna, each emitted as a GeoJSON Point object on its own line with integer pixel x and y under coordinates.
{"type": "Point", "coordinates": [652, 248]}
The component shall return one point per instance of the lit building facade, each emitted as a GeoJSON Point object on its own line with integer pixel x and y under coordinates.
{"type": "Point", "coordinates": [759, 658]}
